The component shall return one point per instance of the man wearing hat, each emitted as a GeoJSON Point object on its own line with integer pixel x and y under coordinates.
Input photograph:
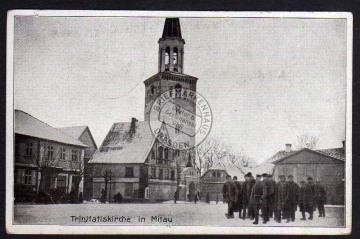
{"type": "Point", "coordinates": [320, 198]}
{"type": "Point", "coordinates": [246, 192]}
{"type": "Point", "coordinates": [258, 197]}
{"type": "Point", "coordinates": [301, 199]}
{"type": "Point", "coordinates": [230, 193]}
{"type": "Point", "coordinates": [294, 198]}
{"type": "Point", "coordinates": [310, 197]}
{"type": "Point", "coordinates": [238, 202]}
{"type": "Point", "coordinates": [270, 192]}
{"type": "Point", "coordinates": [271, 198]}
{"type": "Point", "coordinates": [282, 196]}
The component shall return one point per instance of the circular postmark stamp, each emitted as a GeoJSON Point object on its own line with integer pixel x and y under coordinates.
{"type": "Point", "coordinates": [180, 119]}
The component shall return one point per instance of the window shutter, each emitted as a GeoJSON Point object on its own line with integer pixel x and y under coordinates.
{"type": "Point", "coordinates": [33, 177]}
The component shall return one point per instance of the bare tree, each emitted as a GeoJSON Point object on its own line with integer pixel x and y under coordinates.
{"type": "Point", "coordinates": [77, 169]}
{"type": "Point", "coordinates": [107, 174]}
{"type": "Point", "coordinates": [213, 151]}
{"type": "Point", "coordinates": [306, 140]}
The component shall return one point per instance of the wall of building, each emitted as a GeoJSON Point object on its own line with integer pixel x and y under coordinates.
{"type": "Point", "coordinates": [27, 178]}
{"type": "Point", "coordinates": [331, 177]}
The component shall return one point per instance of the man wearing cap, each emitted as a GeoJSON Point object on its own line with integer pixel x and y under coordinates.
{"type": "Point", "coordinates": [320, 198]}
{"type": "Point", "coordinates": [282, 195]}
{"type": "Point", "coordinates": [246, 192]}
{"type": "Point", "coordinates": [230, 194]}
{"type": "Point", "coordinates": [294, 198]}
{"type": "Point", "coordinates": [238, 202]}
{"type": "Point", "coordinates": [269, 195]}
{"type": "Point", "coordinates": [301, 199]}
{"type": "Point", "coordinates": [258, 197]}
{"type": "Point", "coordinates": [310, 197]}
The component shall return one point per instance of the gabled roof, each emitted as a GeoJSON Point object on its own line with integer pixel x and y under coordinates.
{"type": "Point", "coordinates": [77, 131]}
{"type": "Point", "coordinates": [267, 166]}
{"type": "Point", "coordinates": [230, 169]}
{"type": "Point", "coordinates": [27, 124]}
{"type": "Point", "coordinates": [122, 146]}
{"type": "Point", "coordinates": [321, 152]}
{"type": "Point", "coordinates": [73, 131]}
{"type": "Point", "coordinates": [338, 153]}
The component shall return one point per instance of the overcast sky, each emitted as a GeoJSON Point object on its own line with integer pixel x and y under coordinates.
{"type": "Point", "coordinates": [266, 80]}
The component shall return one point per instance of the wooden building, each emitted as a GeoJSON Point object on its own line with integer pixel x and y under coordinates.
{"type": "Point", "coordinates": [45, 159]}
{"type": "Point", "coordinates": [214, 178]}
{"type": "Point", "coordinates": [83, 134]}
{"type": "Point", "coordinates": [326, 166]}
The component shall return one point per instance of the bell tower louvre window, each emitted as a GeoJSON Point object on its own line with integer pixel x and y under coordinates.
{"type": "Point", "coordinates": [171, 47]}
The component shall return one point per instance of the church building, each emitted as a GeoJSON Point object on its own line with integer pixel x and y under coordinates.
{"type": "Point", "coordinates": [131, 160]}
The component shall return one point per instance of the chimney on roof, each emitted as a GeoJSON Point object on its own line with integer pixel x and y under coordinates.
{"type": "Point", "coordinates": [133, 125]}
{"type": "Point", "coordinates": [287, 148]}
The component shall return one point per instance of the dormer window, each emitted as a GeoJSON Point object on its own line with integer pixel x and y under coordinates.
{"type": "Point", "coordinates": [160, 152]}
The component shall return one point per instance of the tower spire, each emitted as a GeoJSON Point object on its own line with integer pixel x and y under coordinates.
{"type": "Point", "coordinates": [172, 28]}
{"type": "Point", "coordinates": [171, 47]}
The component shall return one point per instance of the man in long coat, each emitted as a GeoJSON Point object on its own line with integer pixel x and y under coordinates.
{"type": "Point", "coordinates": [294, 198]}
{"type": "Point", "coordinates": [282, 196]}
{"type": "Point", "coordinates": [269, 194]}
{"type": "Point", "coordinates": [271, 197]}
{"type": "Point", "coordinates": [229, 195]}
{"type": "Point", "coordinates": [320, 198]}
{"type": "Point", "coordinates": [238, 202]}
{"type": "Point", "coordinates": [301, 199]}
{"type": "Point", "coordinates": [258, 197]}
{"type": "Point", "coordinates": [246, 191]}
{"type": "Point", "coordinates": [250, 185]}
{"type": "Point", "coordinates": [310, 197]}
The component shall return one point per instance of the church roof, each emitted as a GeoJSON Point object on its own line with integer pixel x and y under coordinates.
{"type": "Point", "coordinates": [170, 75]}
{"type": "Point", "coordinates": [123, 145]}
{"type": "Point", "coordinates": [27, 124]}
{"type": "Point", "coordinates": [172, 28]}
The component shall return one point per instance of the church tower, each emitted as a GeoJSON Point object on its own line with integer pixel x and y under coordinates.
{"type": "Point", "coordinates": [170, 69]}
{"type": "Point", "coordinates": [170, 73]}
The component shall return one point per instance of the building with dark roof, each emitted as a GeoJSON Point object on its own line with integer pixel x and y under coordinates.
{"type": "Point", "coordinates": [83, 134]}
{"type": "Point", "coordinates": [45, 159]}
{"type": "Point", "coordinates": [214, 178]}
{"type": "Point", "coordinates": [326, 166]}
{"type": "Point", "coordinates": [131, 160]}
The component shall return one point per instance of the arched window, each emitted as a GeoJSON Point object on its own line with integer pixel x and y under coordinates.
{"type": "Point", "coordinates": [167, 58]}
{"type": "Point", "coordinates": [160, 152]}
{"type": "Point", "coordinates": [152, 89]}
{"type": "Point", "coordinates": [178, 86]}
{"type": "Point", "coordinates": [214, 174]}
{"type": "Point", "coordinates": [152, 154]}
{"type": "Point", "coordinates": [175, 59]}
{"type": "Point", "coordinates": [166, 153]}
{"type": "Point", "coordinates": [218, 174]}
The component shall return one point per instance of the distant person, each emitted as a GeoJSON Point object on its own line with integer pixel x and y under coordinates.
{"type": "Point", "coordinates": [229, 195]}
{"type": "Point", "coordinates": [118, 197]}
{"type": "Point", "coordinates": [301, 199]}
{"type": "Point", "coordinates": [238, 202]}
{"type": "Point", "coordinates": [294, 198]}
{"type": "Point", "coordinates": [176, 195]}
{"type": "Point", "coordinates": [249, 189]}
{"type": "Point", "coordinates": [269, 193]}
{"type": "Point", "coordinates": [207, 198]}
{"type": "Point", "coordinates": [103, 196]}
{"type": "Point", "coordinates": [196, 197]}
{"type": "Point", "coordinates": [320, 198]}
{"type": "Point", "coordinates": [258, 197]}
{"type": "Point", "coordinates": [217, 198]}
{"type": "Point", "coordinates": [310, 197]}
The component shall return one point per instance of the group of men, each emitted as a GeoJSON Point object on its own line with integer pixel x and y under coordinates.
{"type": "Point", "coordinates": [275, 200]}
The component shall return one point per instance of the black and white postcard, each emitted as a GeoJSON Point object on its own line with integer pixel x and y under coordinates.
{"type": "Point", "coordinates": [149, 122]}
